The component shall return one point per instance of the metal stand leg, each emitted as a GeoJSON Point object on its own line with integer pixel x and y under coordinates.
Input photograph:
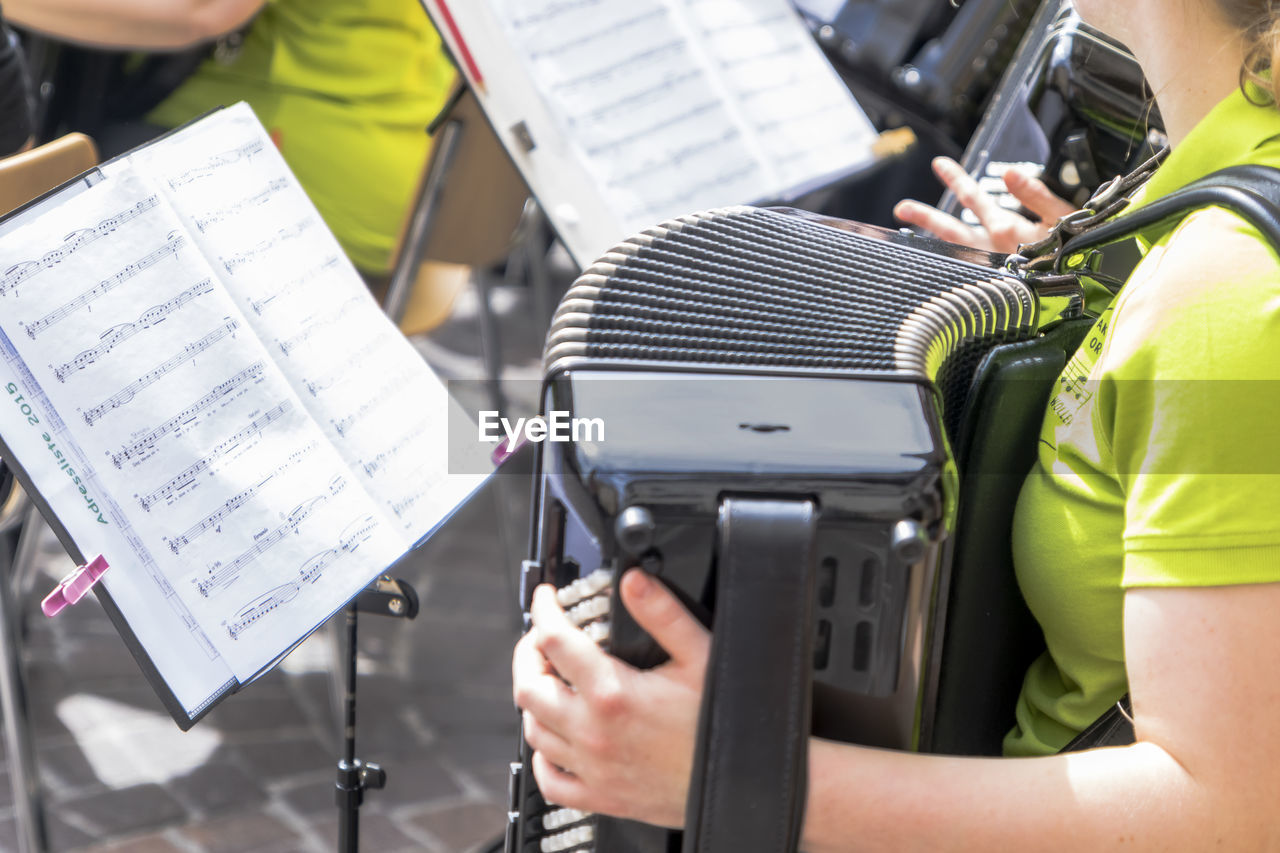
{"type": "Point", "coordinates": [23, 772]}
{"type": "Point", "coordinates": [490, 342]}
{"type": "Point", "coordinates": [424, 213]}
{"type": "Point", "coordinates": [26, 561]}
{"type": "Point", "coordinates": [535, 247]}
{"type": "Point", "coordinates": [353, 774]}
{"type": "Point", "coordinates": [386, 597]}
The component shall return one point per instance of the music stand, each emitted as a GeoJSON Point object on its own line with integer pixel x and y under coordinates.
{"type": "Point", "coordinates": [466, 208]}
{"type": "Point", "coordinates": [467, 205]}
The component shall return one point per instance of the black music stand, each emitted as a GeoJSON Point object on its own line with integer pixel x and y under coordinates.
{"type": "Point", "coordinates": [466, 210]}
{"type": "Point", "coordinates": [385, 597]}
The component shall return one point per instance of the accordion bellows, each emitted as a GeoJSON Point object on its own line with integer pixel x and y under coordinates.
{"type": "Point", "coordinates": [745, 287]}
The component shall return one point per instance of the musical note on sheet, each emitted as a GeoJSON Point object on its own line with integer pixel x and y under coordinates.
{"type": "Point", "coordinates": [350, 364]}
{"type": "Point", "coordinates": [172, 245]}
{"type": "Point", "coordinates": [190, 351]}
{"type": "Point", "coordinates": [320, 325]}
{"type": "Point", "coordinates": [378, 398]}
{"type": "Point", "coordinates": [285, 234]}
{"type": "Point", "coordinates": [118, 334]}
{"type": "Point", "coordinates": [187, 476]}
{"type": "Point", "coordinates": [142, 445]}
{"type": "Point", "coordinates": [258, 305]}
{"type": "Point", "coordinates": [224, 575]}
{"type": "Point", "coordinates": [213, 521]}
{"type": "Point", "coordinates": [243, 152]}
{"type": "Point", "coordinates": [203, 222]}
{"type": "Point", "coordinates": [74, 241]}
{"type": "Point", "coordinates": [310, 572]}
{"type": "Point", "coordinates": [400, 442]}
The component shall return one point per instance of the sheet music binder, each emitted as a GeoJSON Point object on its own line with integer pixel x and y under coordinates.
{"type": "Point", "coordinates": [375, 445]}
{"type": "Point", "coordinates": [621, 114]}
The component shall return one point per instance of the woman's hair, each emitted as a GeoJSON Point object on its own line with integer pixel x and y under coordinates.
{"type": "Point", "coordinates": [1259, 22]}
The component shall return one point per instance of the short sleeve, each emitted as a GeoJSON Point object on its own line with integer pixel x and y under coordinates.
{"type": "Point", "coordinates": [1189, 407]}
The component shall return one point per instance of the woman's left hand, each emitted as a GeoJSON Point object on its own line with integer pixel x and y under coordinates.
{"type": "Point", "coordinates": [609, 737]}
{"type": "Point", "coordinates": [1002, 230]}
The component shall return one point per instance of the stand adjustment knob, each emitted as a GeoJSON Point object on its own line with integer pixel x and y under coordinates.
{"type": "Point", "coordinates": [372, 776]}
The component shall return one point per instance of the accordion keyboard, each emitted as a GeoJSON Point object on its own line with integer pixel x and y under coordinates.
{"type": "Point", "coordinates": [587, 602]}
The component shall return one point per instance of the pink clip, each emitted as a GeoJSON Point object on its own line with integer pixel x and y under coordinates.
{"type": "Point", "coordinates": [505, 449]}
{"type": "Point", "coordinates": [73, 587]}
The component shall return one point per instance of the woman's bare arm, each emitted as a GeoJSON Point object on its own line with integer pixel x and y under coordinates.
{"type": "Point", "coordinates": [1204, 774]}
{"type": "Point", "coordinates": [142, 24]}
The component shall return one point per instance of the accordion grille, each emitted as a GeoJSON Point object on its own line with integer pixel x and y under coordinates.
{"type": "Point", "coordinates": [752, 288]}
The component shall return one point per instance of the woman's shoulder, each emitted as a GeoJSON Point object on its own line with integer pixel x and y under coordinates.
{"type": "Point", "coordinates": [1203, 303]}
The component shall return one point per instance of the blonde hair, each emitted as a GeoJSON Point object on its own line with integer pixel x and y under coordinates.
{"type": "Point", "coordinates": [1259, 23]}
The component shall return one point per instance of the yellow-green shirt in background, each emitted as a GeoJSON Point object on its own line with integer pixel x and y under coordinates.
{"type": "Point", "coordinates": [1159, 464]}
{"type": "Point", "coordinates": [346, 88]}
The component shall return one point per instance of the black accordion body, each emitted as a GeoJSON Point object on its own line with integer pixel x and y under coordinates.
{"type": "Point", "coordinates": [773, 404]}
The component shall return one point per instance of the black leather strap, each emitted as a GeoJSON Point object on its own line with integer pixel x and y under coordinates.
{"type": "Point", "coordinates": [1114, 728]}
{"type": "Point", "coordinates": [747, 790]}
{"type": "Point", "coordinates": [1252, 192]}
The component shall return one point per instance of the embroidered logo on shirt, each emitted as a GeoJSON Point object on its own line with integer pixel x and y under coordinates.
{"type": "Point", "coordinates": [1074, 388]}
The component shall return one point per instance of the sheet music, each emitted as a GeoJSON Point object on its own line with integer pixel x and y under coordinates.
{"type": "Point", "coordinates": [611, 72]}
{"type": "Point", "coordinates": [372, 395]}
{"type": "Point", "coordinates": [680, 105]}
{"type": "Point", "coordinates": [784, 89]}
{"type": "Point", "coordinates": [237, 514]}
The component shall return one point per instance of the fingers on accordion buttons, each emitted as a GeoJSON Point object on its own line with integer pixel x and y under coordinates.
{"type": "Point", "coordinates": [570, 839]}
{"type": "Point", "coordinates": [584, 587]}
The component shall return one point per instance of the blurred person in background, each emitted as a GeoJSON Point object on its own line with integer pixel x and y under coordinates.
{"type": "Point", "coordinates": [17, 120]}
{"type": "Point", "coordinates": [345, 87]}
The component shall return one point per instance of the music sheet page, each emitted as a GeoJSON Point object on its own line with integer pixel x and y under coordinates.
{"type": "Point", "coordinates": [639, 104]}
{"type": "Point", "coordinates": [681, 105]}
{"type": "Point", "coordinates": [797, 108]}
{"type": "Point", "coordinates": [240, 515]}
{"type": "Point", "coordinates": [374, 398]}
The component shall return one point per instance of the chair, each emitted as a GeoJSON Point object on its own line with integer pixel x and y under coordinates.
{"type": "Point", "coordinates": [27, 176]}
{"type": "Point", "coordinates": [23, 178]}
{"type": "Point", "coordinates": [466, 207]}
{"type": "Point", "coordinates": [464, 215]}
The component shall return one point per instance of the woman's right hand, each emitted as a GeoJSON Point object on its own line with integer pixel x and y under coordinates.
{"type": "Point", "coordinates": [1002, 230]}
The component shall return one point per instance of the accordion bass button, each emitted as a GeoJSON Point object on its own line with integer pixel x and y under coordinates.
{"type": "Point", "coordinates": [634, 530]}
{"type": "Point", "coordinates": [910, 541]}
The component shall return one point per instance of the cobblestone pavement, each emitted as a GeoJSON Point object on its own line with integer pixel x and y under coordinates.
{"type": "Point", "coordinates": [257, 775]}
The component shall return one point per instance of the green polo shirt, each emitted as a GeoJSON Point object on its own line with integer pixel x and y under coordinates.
{"type": "Point", "coordinates": [346, 89]}
{"type": "Point", "coordinates": [1158, 462]}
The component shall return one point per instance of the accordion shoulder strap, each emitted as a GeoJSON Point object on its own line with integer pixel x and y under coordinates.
{"type": "Point", "coordinates": [1113, 728]}
{"type": "Point", "coordinates": [750, 768]}
{"type": "Point", "coordinates": [1252, 192]}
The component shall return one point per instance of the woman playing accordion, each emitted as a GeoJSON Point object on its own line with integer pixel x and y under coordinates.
{"type": "Point", "coordinates": [1146, 543]}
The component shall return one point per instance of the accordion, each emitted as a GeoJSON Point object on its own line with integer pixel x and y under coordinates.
{"type": "Point", "coordinates": [1072, 104]}
{"type": "Point", "coordinates": [773, 402]}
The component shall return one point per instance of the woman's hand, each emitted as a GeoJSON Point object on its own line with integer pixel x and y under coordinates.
{"type": "Point", "coordinates": [609, 737]}
{"type": "Point", "coordinates": [1002, 230]}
